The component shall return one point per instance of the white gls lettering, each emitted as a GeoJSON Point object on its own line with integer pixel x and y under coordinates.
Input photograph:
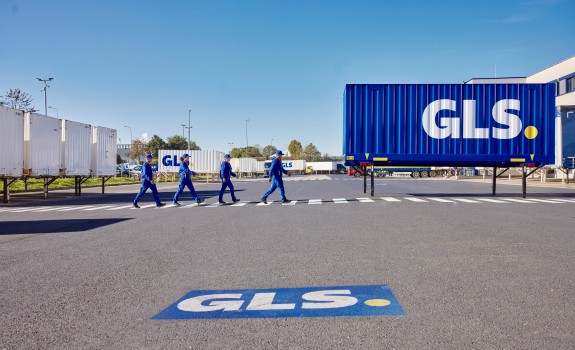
{"type": "Point", "coordinates": [451, 126]}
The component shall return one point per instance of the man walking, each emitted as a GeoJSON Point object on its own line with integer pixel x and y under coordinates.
{"type": "Point", "coordinates": [276, 171]}
{"type": "Point", "coordinates": [148, 182]}
{"type": "Point", "coordinates": [186, 180]}
{"type": "Point", "coordinates": [225, 175]}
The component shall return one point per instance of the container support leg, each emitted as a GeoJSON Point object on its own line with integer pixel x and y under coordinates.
{"type": "Point", "coordinates": [567, 176]}
{"type": "Point", "coordinates": [494, 181]}
{"type": "Point", "coordinates": [372, 181]}
{"type": "Point", "coordinates": [364, 179]}
{"type": "Point", "coordinates": [104, 179]}
{"type": "Point", "coordinates": [7, 189]}
{"type": "Point", "coordinates": [25, 184]}
{"type": "Point", "coordinates": [523, 181]}
{"type": "Point", "coordinates": [46, 184]}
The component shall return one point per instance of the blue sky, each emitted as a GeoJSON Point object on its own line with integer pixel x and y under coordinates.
{"type": "Point", "coordinates": [281, 64]}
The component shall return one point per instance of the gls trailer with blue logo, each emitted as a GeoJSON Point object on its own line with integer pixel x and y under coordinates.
{"type": "Point", "coordinates": [487, 125]}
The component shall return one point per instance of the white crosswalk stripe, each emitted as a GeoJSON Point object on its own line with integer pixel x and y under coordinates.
{"type": "Point", "coordinates": [365, 200]}
{"type": "Point", "coordinates": [490, 200]}
{"type": "Point", "coordinates": [48, 209]}
{"type": "Point", "coordinates": [315, 201]}
{"type": "Point", "coordinates": [545, 201]}
{"type": "Point", "coordinates": [442, 200]}
{"type": "Point", "coordinates": [413, 199]}
{"type": "Point", "coordinates": [264, 204]}
{"type": "Point", "coordinates": [121, 207]}
{"type": "Point", "coordinates": [191, 205]}
{"type": "Point", "coordinates": [390, 199]}
{"type": "Point", "coordinates": [77, 208]}
{"type": "Point", "coordinates": [98, 208]}
{"type": "Point", "coordinates": [517, 200]}
{"type": "Point", "coordinates": [465, 200]}
{"type": "Point", "coordinates": [564, 200]}
{"type": "Point", "coordinates": [290, 203]}
{"type": "Point", "coordinates": [239, 204]}
{"type": "Point", "coordinates": [340, 201]}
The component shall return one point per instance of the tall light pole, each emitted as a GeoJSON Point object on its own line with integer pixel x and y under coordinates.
{"type": "Point", "coordinates": [131, 142]}
{"type": "Point", "coordinates": [247, 144]}
{"type": "Point", "coordinates": [45, 88]}
{"type": "Point", "coordinates": [189, 127]}
{"type": "Point", "coordinates": [57, 113]}
{"type": "Point", "coordinates": [183, 128]}
{"type": "Point", "coordinates": [230, 144]}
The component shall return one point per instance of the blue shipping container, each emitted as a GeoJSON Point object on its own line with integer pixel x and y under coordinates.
{"type": "Point", "coordinates": [449, 124]}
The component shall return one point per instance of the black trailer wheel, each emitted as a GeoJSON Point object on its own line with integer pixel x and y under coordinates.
{"type": "Point", "coordinates": [432, 173]}
{"type": "Point", "coordinates": [415, 174]}
{"type": "Point", "coordinates": [424, 174]}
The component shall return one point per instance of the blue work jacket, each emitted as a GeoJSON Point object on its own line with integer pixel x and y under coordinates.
{"type": "Point", "coordinates": [226, 171]}
{"type": "Point", "coordinates": [147, 173]}
{"type": "Point", "coordinates": [185, 171]}
{"type": "Point", "coordinates": [277, 169]}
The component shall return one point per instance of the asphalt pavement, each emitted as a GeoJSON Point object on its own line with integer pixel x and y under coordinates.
{"type": "Point", "coordinates": [470, 271]}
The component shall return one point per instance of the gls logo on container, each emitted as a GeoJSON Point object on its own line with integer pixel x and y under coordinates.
{"type": "Point", "coordinates": [451, 126]}
{"type": "Point", "coordinates": [285, 302]}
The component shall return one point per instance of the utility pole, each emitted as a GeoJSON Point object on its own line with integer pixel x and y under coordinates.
{"type": "Point", "coordinates": [230, 144]}
{"type": "Point", "coordinates": [57, 112]}
{"type": "Point", "coordinates": [247, 144]}
{"type": "Point", "coordinates": [183, 128]}
{"type": "Point", "coordinates": [45, 81]}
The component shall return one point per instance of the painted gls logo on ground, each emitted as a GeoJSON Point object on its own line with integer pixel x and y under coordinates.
{"type": "Point", "coordinates": [285, 302]}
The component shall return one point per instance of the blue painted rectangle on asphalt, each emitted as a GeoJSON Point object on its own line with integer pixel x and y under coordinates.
{"type": "Point", "coordinates": [284, 302]}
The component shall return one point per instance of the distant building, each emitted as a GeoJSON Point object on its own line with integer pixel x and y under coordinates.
{"type": "Point", "coordinates": [123, 149]}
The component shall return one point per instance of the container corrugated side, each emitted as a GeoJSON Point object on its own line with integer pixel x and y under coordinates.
{"type": "Point", "coordinates": [200, 161]}
{"type": "Point", "coordinates": [260, 166]}
{"type": "Point", "coordinates": [244, 165]}
{"type": "Point", "coordinates": [42, 145]}
{"type": "Point", "coordinates": [323, 166]}
{"type": "Point", "coordinates": [104, 149]}
{"type": "Point", "coordinates": [76, 148]}
{"type": "Point", "coordinates": [11, 142]}
{"type": "Point", "coordinates": [449, 124]}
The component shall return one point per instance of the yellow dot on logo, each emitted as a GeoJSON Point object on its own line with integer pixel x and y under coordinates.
{"type": "Point", "coordinates": [531, 132]}
{"type": "Point", "coordinates": [377, 302]}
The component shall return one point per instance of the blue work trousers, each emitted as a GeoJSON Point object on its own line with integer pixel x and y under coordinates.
{"type": "Point", "coordinates": [227, 184]}
{"type": "Point", "coordinates": [186, 182]}
{"type": "Point", "coordinates": [144, 188]}
{"type": "Point", "coordinates": [276, 183]}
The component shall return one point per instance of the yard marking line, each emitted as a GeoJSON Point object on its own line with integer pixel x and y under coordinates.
{"type": "Point", "coordinates": [413, 199]}
{"type": "Point", "coordinates": [214, 205]}
{"type": "Point", "coordinates": [191, 205]}
{"type": "Point", "coordinates": [97, 208]}
{"type": "Point", "coordinates": [390, 199]}
{"type": "Point", "coordinates": [77, 207]}
{"type": "Point", "coordinates": [48, 209]}
{"type": "Point", "coordinates": [259, 204]}
{"type": "Point", "coordinates": [290, 203]}
{"type": "Point", "coordinates": [517, 200]}
{"type": "Point", "coordinates": [365, 200]}
{"type": "Point", "coordinates": [544, 201]}
{"type": "Point", "coordinates": [121, 207]}
{"type": "Point", "coordinates": [24, 209]}
{"type": "Point", "coordinates": [564, 200]}
{"type": "Point", "coordinates": [491, 200]}
{"type": "Point", "coordinates": [441, 200]}
{"type": "Point", "coordinates": [465, 200]}
{"type": "Point", "coordinates": [239, 204]}
{"type": "Point", "coordinates": [340, 201]}
{"type": "Point", "coordinates": [146, 206]}
{"type": "Point", "coordinates": [314, 201]}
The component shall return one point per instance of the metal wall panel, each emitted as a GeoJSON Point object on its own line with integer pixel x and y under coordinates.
{"type": "Point", "coordinates": [42, 145]}
{"type": "Point", "coordinates": [11, 142]}
{"type": "Point", "coordinates": [76, 148]}
{"type": "Point", "coordinates": [449, 124]}
{"type": "Point", "coordinates": [104, 150]}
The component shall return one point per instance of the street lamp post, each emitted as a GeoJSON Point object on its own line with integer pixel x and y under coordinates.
{"type": "Point", "coordinates": [131, 142]}
{"type": "Point", "coordinates": [57, 113]}
{"type": "Point", "coordinates": [45, 81]}
{"type": "Point", "coordinates": [189, 127]}
{"type": "Point", "coordinates": [247, 144]}
{"type": "Point", "coordinates": [230, 144]}
{"type": "Point", "coordinates": [183, 128]}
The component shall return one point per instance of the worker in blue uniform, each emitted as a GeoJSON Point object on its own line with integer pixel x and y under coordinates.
{"type": "Point", "coordinates": [276, 171]}
{"type": "Point", "coordinates": [186, 180]}
{"type": "Point", "coordinates": [148, 182]}
{"type": "Point", "coordinates": [225, 175]}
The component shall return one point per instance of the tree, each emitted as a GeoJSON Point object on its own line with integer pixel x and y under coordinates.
{"type": "Point", "coordinates": [236, 152]}
{"type": "Point", "coordinates": [177, 142]}
{"type": "Point", "coordinates": [310, 153]}
{"type": "Point", "coordinates": [155, 144]}
{"type": "Point", "coordinates": [295, 149]}
{"type": "Point", "coordinates": [138, 149]}
{"type": "Point", "coordinates": [245, 152]}
{"type": "Point", "coordinates": [18, 100]}
{"type": "Point", "coordinates": [269, 151]}
{"type": "Point", "coordinates": [118, 159]}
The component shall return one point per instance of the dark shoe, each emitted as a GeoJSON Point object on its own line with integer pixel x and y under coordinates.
{"type": "Point", "coordinates": [264, 201]}
{"type": "Point", "coordinates": [160, 205]}
{"type": "Point", "coordinates": [136, 206]}
{"type": "Point", "coordinates": [176, 204]}
{"type": "Point", "coordinates": [236, 200]}
{"type": "Point", "coordinates": [221, 202]}
{"type": "Point", "coordinates": [200, 201]}
{"type": "Point", "coordinates": [286, 201]}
